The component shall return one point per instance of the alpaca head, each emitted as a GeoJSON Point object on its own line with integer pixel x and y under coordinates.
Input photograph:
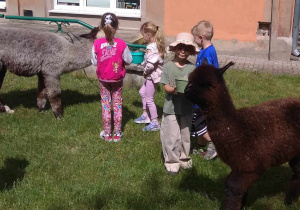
{"type": "Point", "coordinates": [204, 85]}
{"type": "Point", "coordinates": [92, 34]}
{"type": "Point", "coordinates": [90, 37]}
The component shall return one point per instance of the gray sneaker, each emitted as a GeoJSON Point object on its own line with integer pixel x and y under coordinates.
{"type": "Point", "coordinates": [296, 53]}
{"type": "Point", "coordinates": [211, 152]}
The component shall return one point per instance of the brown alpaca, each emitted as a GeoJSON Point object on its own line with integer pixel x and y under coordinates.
{"type": "Point", "coordinates": [251, 139]}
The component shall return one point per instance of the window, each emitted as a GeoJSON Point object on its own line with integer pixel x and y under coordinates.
{"type": "Point", "coordinates": [124, 8]}
{"type": "Point", "coordinates": [2, 4]}
{"type": "Point", "coordinates": [133, 4]}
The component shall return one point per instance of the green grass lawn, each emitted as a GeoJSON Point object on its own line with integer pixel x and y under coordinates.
{"type": "Point", "coordinates": [63, 164]}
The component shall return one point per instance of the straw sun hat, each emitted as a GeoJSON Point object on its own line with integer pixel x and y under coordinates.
{"type": "Point", "coordinates": [183, 38]}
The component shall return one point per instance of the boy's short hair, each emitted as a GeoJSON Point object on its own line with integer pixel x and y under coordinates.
{"type": "Point", "coordinates": [204, 28]}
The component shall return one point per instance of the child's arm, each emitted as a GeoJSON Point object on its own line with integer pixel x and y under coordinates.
{"type": "Point", "coordinates": [150, 63]}
{"type": "Point", "coordinates": [94, 57]}
{"type": "Point", "coordinates": [166, 81]}
{"type": "Point", "coordinates": [169, 89]}
{"type": "Point", "coordinates": [127, 57]}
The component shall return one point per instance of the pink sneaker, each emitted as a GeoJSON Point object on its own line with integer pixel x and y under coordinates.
{"type": "Point", "coordinates": [117, 137]}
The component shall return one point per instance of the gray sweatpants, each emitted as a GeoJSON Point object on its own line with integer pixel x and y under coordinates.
{"type": "Point", "coordinates": [175, 140]}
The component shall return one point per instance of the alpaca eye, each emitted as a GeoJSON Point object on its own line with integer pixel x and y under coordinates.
{"type": "Point", "coordinates": [189, 86]}
{"type": "Point", "coordinates": [204, 85]}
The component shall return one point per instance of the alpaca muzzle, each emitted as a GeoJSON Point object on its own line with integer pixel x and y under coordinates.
{"type": "Point", "coordinates": [189, 93]}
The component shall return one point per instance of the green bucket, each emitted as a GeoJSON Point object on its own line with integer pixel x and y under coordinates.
{"type": "Point", "coordinates": [181, 83]}
{"type": "Point", "coordinates": [137, 57]}
{"type": "Point", "coordinates": [137, 52]}
{"type": "Point", "coordinates": [136, 46]}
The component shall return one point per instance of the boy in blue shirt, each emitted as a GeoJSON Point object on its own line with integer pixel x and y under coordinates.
{"type": "Point", "coordinates": [203, 33]}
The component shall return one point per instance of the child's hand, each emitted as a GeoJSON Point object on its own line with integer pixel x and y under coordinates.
{"type": "Point", "coordinates": [169, 89]}
{"type": "Point", "coordinates": [175, 90]}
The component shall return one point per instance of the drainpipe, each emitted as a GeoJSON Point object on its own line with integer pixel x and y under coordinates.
{"type": "Point", "coordinates": [18, 7]}
{"type": "Point", "coordinates": [295, 32]}
{"type": "Point", "coordinates": [271, 25]}
{"type": "Point", "coordinates": [46, 8]}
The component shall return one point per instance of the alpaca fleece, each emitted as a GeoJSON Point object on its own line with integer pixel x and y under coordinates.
{"type": "Point", "coordinates": [250, 139]}
{"type": "Point", "coordinates": [48, 55]}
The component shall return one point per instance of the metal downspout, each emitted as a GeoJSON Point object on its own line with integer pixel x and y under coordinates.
{"type": "Point", "coordinates": [295, 32]}
{"type": "Point", "coordinates": [19, 8]}
{"type": "Point", "coordinates": [271, 25]}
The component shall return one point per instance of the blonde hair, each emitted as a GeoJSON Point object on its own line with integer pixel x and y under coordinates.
{"type": "Point", "coordinates": [203, 28]}
{"type": "Point", "coordinates": [109, 29]}
{"type": "Point", "coordinates": [150, 27]}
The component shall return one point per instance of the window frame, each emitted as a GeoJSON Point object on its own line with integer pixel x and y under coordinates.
{"type": "Point", "coordinates": [3, 4]}
{"type": "Point", "coordinates": [134, 13]}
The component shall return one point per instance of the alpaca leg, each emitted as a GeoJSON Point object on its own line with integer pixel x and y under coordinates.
{"type": "Point", "coordinates": [52, 84]}
{"type": "Point", "coordinates": [42, 94]}
{"type": "Point", "coordinates": [3, 107]}
{"type": "Point", "coordinates": [293, 191]}
{"type": "Point", "coordinates": [236, 187]}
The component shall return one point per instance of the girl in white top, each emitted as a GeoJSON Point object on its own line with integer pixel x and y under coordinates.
{"type": "Point", "coordinates": [153, 65]}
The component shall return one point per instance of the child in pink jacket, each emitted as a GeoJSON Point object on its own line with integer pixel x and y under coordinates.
{"type": "Point", "coordinates": [153, 65]}
{"type": "Point", "coordinates": [110, 55]}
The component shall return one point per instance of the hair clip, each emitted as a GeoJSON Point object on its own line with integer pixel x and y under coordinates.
{"type": "Point", "coordinates": [108, 19]}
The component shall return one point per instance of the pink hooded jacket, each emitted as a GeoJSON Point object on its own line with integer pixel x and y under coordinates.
{"type": "Point", "coordinates": [153, 63]}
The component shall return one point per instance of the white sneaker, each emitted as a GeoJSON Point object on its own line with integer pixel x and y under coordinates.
{"type": "Point", "coordinates": [106, 137]}
{"type": "Point", "coordinates": [117, 137]}
{"type": "Point", "coordinates": [187, 164]}
{"type": "Point", "coordinates": [211, 152]}
{"type": "Point", "coordinates": [8, 110]}
{"type": "Point", "coordinates": [296, 53]}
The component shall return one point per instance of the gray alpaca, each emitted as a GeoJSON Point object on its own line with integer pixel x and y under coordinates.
{"type": "Point", "coordinates": [45, 54]}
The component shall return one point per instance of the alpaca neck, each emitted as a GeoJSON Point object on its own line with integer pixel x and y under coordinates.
{"type": "Point", "coordinates": [222, 121]}
{"type": "Point", "coordinates": [222, 111]}
{"type": "Point", "coordinates": [79, 56]}
{"type": "Point", "coordinates": [223, 106]}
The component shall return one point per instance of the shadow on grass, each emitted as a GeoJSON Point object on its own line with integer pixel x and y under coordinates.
{"type": "Point", "coordinates": [28, 98]}
{"type": "Point", "coordinates": [270, 184]}
{"type": "Point", "coordinates": [193, 181]}
{"type": "Point", "coordinates": [154, 195]}
{"type": "Point", "coordinates": [12, 172]}
{"type": "Point", "coordinates": [151, 197]}
{"type": "Point", "coordinates": [127, 116]}
{"type": "Point", "coordinates": [138, 104]}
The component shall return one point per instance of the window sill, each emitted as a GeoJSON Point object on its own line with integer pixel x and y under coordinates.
{"type": "Point", "coordinates": [119, 14]}
{"type": "Point", "coordinates": [2, 7]}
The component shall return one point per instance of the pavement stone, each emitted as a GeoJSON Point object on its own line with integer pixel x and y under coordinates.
{"type": "Point", "coordinates": [291, 67]}
{"type": "Point", "coordinates": [264, 65]}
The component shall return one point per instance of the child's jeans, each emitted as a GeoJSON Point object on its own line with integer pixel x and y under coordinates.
{"type": "Point", "coordinates": [111, 94]}
{"type": "Point", "coordinates": [147, 92]}
{"type": "Point", "coordinates": [175, 140]}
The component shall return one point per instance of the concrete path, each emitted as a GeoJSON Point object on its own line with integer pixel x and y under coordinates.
{"type": "Point", "coordinates": [262, 65]}
{"type": "Point", "coordinates": [241, 63]}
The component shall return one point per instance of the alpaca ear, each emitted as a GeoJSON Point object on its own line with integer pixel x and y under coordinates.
{"type": "Point", "coordinates": [93, 33]}
{"type": "Point", "coordinates": [222, 70]}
